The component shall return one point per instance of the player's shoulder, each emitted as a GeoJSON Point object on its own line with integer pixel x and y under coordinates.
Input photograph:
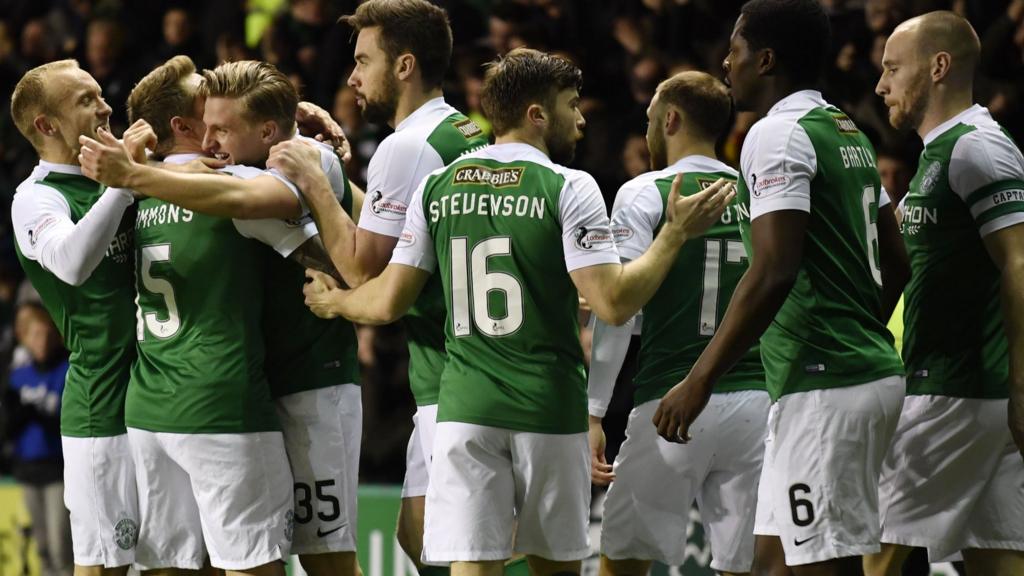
{"type": "Point", "coordinates": [34, 191]}
{"type": "Point", "coordinates": [639, 188]}
{"type": "Point", "coordinates": [243, 171]}
{"type": "Point", "coordinates": [983, 137]}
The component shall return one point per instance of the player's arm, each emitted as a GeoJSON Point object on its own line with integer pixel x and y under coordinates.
{"type": "Point", "coordinates": [382, 300]}
{"type": "Point", "coordinates": [616, 292]}
{"type": "Point", "coordinates": [608, 351]}
{"type": "Point", "coordinates": [313, 255]}
{"type": "Point", "coordinates": [893, 260]}
{"type": "Point", "coordinates": [358, 254]}
{"type": "Point", "coordinates": [1006, 247]}
{"type": "Point", "coordinates": [70, 250]}
{"type": "Point", "coordinates": [107, 161]}
{"type": "Point", "coordinates": [780, 203]}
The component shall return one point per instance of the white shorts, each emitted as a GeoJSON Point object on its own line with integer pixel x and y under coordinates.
{"type": "Point", "coordinates": [228, 495]}
{"type": "Point", "coordinates": [323, 429]}
{"type": "Point", "coordinates": [99, 491]}
{"type": "Point", "coordinates": [822, 458]}
{"type": "Point", "coordinates": [648, 506]}
{"type": "Point", "coordinates": [419, 451]}
{"type": "Point", "coordinates": [953, 478]}
{"type": "Point", "coordinates": [487, 484]}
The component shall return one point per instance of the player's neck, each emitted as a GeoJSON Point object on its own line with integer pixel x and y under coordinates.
{"type": "Point", "coordinates": [678, 148]}
{"type": "Point", "coordinates": [942, 107]}
{"type": "Point", "coordinates": [60, 155]}
{"type": "Point", "coordinates": [185, 148]}
{"type": "Point", "coordinates": [412, 100]}
{"type": "Point", "coordinates": [775, 91]}
{"type": "Point", "coordinates": [523, 137]}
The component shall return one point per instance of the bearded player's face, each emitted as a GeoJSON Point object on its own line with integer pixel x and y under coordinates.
{"type": "Point", "coordinates": [656, 135]}
{"type": "Point", "coordinates": [565, 126]}
{"type": "Point", "coordinates": [373, 78]}
{"type": "Point", "coordinates": [904, 85]}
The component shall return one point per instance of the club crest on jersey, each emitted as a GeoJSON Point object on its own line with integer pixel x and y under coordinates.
{"type": "Point", "coordinates": [126, 533]}
{"type": "Point", "coordinates": [468, 128]}
{"type": "Point", "coordinates": [930, 178]}
{"type": "Point", "coordinates": [494, 177]}
{"type": "Point", "coordinates": [768, 184]}
{"type": "Point", "coordinates": [592, 238]}
{"type": "Point", "coordinates": [386, 208]}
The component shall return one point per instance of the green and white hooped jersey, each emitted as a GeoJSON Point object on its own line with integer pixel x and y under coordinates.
{"type": "Point", "coordinates": [200, 280]}
{"type": "Point", "coordinates": [969, 184]}
{"type": "Point", "coordinates": [684, 313]}
{"type": "Point", "coordinates": [808, 155]}
{"type": "Point", "coordinates": [95, 317]}
{"type": "Point", "coordinates": [503, 227]}
{"type": "Point", "coordinates": [428, 139]}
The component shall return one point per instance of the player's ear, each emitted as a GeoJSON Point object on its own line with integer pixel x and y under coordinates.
{"type": "Point", "coordinates": [941, 64]}
{"type": "Point", "coordinates": [405, 65]}
{"type": "Point", "coordinates": [268, 131]}
{"type": "Point", "coordinates": [673, 120]}
{"type": "Point", "coordinates": [179, 126]}
{"type": "Point", "coordinates": [43, 125]}
{"type": "Point", "coordinates": [766, 61]}
{"type": "Point", "coordinates": [536, 115]}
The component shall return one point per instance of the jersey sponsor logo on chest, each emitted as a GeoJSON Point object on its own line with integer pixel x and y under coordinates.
{"type": "Point", "coordinates": [509, 177]}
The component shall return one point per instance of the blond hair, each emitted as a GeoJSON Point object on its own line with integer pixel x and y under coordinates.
{"type": "Point", "coordinates": [161, 95]}
{"type": "Point", "coordinates": [30, 98]}
{"type": "Point", "coordinates": [264, 92]}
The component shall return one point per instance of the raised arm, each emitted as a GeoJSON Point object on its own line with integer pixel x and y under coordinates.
{"type": "Point", "coordinates": [107, 161]}
{"type": "Point", "coordinates": [616, 292]}
{"type": "Point", "coordinates": [382, 300]}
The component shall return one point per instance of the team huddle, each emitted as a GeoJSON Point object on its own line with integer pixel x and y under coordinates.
{"type": "Point", "coordinates": [206, 269]}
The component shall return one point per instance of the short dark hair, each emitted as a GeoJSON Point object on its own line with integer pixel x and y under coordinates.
{"type": "Point", "coordinates": [414, 26]}
{"type": "Point", "coordinates": [798, 31]}
{"type": "Point", "coordinates": [523, 77]}
{"type": "Point", "coordinates": [161, 95]}
{"type": "Point", "coordinates": [702, 97]}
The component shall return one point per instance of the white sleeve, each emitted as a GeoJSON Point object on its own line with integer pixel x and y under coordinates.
{"type": "Point", "coordinates": [586, 233]}
{"type": "Point", "coordinates": [607, 353]}
{"type": "Point", "coordinates": [335, 174]}
{"type": "Point", "coordinates": [778, 163]}
{"type": "Point", "coordinates": [284, 236]}
{"type": "Point", "coordinates": [415, 246]}
{"type": "Point", "coordinates": [883, 198]}
{"type": "Point", "coordinates": [248, 173]}
{"type": "Point", "coordinates": [637, 210]}
{"type": "Point", "coordinates": [396, 168]}
{"type": "Point", "coordinates": [986, 170]}
{"type": "Point", "coordinates": [69, 250]}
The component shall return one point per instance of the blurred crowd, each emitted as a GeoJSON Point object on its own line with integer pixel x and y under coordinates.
{"type": "Point", "coordinates": [625, 47]}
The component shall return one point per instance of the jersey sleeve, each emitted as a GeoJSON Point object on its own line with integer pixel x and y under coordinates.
{"type": "Point", "coordinates": [608, 352]}
{"type": "Point", "coordinates": [415, 246]}
{"type": "Point", "coordinates": [249, 172]}
{"type": "Point", "coordinates": [586, 233]}
{"type": "Point", "coordinates": [635, 215]}
{"type": "Point", "coordinates": [778, 165]}
{"type": "Point", "coordinates": [391, 179]}
{"type": "Point", "coordinates": [986, 171]}
{"type": "Point", "coordinates": [69, 250]}
{"type": "Point", "coordinates": [284, 236]}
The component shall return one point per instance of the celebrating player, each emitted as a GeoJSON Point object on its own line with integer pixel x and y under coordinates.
{"type": "Point", "coordinates": [953, 480]}
{"type": "Point", "coordinates": [401, 54]}
{"type": "Point", "coordinates": [827, 267]}
{"type": "Point", "coordinates": [722, 465]}
{"type": "Point", "coordinates": [511, 445]}
{"type": "Point", "coordinates": [73, 238]}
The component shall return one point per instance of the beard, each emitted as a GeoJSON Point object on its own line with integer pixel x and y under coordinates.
{"type": "Point", "coordinates": [908, 114]}
{"type": "Point", "coordinates": [656, 147]}
{"type": "Point", "coordinates": [561, 141]}
{"type": "Point", "coordinates": [382, 110]}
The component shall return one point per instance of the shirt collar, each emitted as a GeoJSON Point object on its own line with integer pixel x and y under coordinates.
{"type": "Point", "coordinates": [516, 151]}
{"type": "Point", "coordinates": [429, 106]}
{"type": "Point", "coordinates": [60, 168]}
{"type": "Point", "coordinates": [945, 126]}
{"type": "Point", "coordinates": [798, 100]}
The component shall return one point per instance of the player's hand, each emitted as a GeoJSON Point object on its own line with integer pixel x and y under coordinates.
{"type": "Point", "coordinates": [314, 121]}
{"type": "Point", "coordinates": [298, 161]}
{"type": "Point", "coordinates": [600, 470]}
{"type": "Point", "coordinates": [679, 408]}
{"type": "Point", "coordinates": [105, 159]}
{"type": "Point", "coordinates": [321, 292]}
{"type": "Point", "coordinates": [691, 216]}
{"type": "Point", "coordinates": [137, 138]}
{"type": "Point", "coordinates": [1016, 419]}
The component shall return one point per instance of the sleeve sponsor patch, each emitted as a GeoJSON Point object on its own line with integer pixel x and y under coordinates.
{"type": "Point", "coordinates": [597, 238]}
{"type": "Point", "coordinates": [768, 184]}
{"type": "Point", "coordinates": [387, 208]}
{"type": "Point", "coordinates": [33, 233]}
{"type": "Point", "coordinates": [407, 238]}
{"type": "Point", "coordinates": [621, 233]}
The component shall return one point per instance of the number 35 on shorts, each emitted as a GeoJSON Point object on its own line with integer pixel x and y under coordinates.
{"type": "Point", "coordinates": [329, 508]}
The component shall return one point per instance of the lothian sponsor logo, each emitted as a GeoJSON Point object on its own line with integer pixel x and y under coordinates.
{"type": "Point", "coordinates": [387, 208]}
{"type": "Point", "coordinates": [591, 239]}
